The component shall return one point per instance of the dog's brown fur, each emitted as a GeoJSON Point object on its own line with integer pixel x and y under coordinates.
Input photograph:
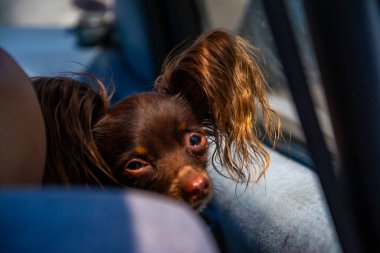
{"type": "Point", "coordinates": [156, 140]}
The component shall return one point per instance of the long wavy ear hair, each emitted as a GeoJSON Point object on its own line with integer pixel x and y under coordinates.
{"type": "Point", "coordinates": [221, 79]}
{"type": "Point", "coordinates": [71, 108]}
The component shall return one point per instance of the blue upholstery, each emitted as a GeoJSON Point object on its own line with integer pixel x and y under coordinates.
{"type": "Point", "coordinates": [56, 220]}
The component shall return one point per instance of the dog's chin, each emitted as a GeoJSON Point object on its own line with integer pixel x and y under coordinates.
{"type": "Point", "coordinates": [200, 205]}
{"type": "Point", "coordinates": [197, 206]}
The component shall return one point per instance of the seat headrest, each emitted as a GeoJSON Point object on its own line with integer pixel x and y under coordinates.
{"type": "Point", "coordinates": [22, 131]}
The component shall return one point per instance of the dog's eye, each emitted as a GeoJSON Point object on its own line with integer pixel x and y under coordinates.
{"type": "Point", "coordinates": [195, 139]}
{"type": "Point", "coordinates": [136, 164]}
{"type": "Point", "coordinates": [196, 142]}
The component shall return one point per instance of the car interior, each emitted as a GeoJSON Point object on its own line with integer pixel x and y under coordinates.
{"type": "Point", "coordinates": [321, 60]}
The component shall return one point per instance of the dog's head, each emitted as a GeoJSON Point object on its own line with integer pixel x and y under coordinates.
{"type": "Point", "coordinates": [154, 141]}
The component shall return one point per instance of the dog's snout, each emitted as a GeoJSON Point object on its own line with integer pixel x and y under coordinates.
{"type": "Point", "coordinates": [196, 188]}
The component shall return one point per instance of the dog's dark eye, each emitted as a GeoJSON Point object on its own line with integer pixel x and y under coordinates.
{"type": "Point", "coordinates": [196, 142]}
{"type": "Point", "coordinates": [195, 139]}
{"type": "Point", "coordinates": [136, 164]}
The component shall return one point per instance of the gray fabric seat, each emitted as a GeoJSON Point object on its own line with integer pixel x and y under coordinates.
{"type": "Point", "coordinates": [284, 212]}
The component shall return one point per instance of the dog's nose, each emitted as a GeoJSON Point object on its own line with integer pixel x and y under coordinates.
{"type": "Point", "coordinates": [196, 188]}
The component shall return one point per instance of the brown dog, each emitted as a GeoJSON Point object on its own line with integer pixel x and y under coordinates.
{"type": "Point", "coordinates": [157, 140]}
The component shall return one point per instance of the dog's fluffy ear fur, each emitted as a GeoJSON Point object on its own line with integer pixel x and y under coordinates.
{"type": "Point", "coordinates": [71, 108]}
{"type": "Point", "coordinates": [222, 81]}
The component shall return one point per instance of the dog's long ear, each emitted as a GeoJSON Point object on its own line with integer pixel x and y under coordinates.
{"type": "Point", "coordinates": [222, 81]}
